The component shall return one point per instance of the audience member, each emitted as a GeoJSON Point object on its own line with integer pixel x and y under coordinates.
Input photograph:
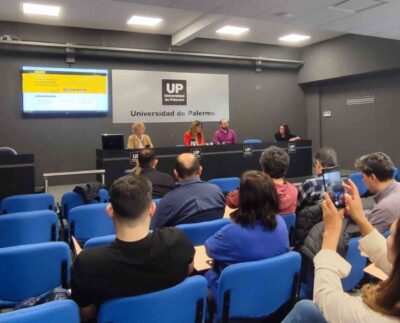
{"type": "Point", "coordinates": [195, 136]}
{"type": "Point", "coordinates": [311, 191]}
{"type": "Point", "coordinates": [284, 134]}
{"type": "Point", "coordinates": [257, 231]}
{"type": "Point", "coordinates": [137, 262]}
{"type": "Point", "coordinates": [161, 182]}
{"type": "Point", "coordinates": [191, 200]}
{"type": "Point", "coordinates": [377, 303]}
{"type": "Point", "coordinates": [275, 162]}
{"type": "Point", "coordinates": [377, 172]}
{"type": "Point", "coordinates": [138, 139]}
{"type": "Point", "coordinates": [224, 135]}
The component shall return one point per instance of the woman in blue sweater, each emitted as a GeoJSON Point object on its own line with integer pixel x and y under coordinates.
{"type": "Point", "coordinates": [256, 232]}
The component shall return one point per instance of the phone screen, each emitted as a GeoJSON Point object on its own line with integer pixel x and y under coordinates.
{"type": "Point", "coordinates": [333, 186]}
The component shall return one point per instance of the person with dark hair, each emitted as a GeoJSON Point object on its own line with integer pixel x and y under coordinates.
{"type": "Point", "coordinates": [256, 232]}
{"type": "Point", "coordinates": [161, 182]}
{"type": "Point", "coordinates": [224, 135]}
{"type": "Point", "coordinates": [194, 136]}
{"type": "Point", "coordinates": [376, 302]}
{"type": "Point", "coordinates": [284, 134]}
{"type": "Point", "coordinates": [311, 190]}
{"type": "Point", "coordinates": [377, 172]}
{"type": "Point", "coordinates": [191, 200]}
{"type": "Point", "coordinates": [137, 262]}
{"type": "Point", "coordinates": [275, 162]}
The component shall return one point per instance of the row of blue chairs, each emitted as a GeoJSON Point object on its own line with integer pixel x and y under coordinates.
{"type": "Point", "coordinates": [31, 270]}
{"type": "Point", "coordinates": [45, 201]}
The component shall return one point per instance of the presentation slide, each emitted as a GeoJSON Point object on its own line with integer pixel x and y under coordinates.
{"type": "Point", "coordinates": [64, 90]}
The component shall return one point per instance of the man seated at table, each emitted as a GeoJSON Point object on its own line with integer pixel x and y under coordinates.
{"type": "Point", "coordinates": [191, 200]}
{"type": "Point", "coordinates": [137, 262]}
{"type": "Point", "coordinates": [162, 182]}
{"type": "Point", "coordinates": [224, 135]}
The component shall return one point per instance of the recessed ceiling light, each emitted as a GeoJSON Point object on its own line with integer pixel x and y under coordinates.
{"type": "Point", "coordinates": [294, 38]}
{"type": "Point", "coordinates": [40, 9]}
{"type": "Point", "coordinates": [144, 21]}
{"type": "Point", "coordinates": [232, 30]}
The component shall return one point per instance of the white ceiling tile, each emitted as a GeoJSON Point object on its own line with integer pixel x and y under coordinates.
{"type": "Point", "coordinates": [320, 17]}
{"type": "Point", "coordinates": [247, 8]}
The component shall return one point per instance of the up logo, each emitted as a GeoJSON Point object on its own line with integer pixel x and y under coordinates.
{"type": "Point", "coordinates": [174, 92]}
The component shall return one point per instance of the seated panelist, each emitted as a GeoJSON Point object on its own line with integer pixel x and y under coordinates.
{"type": "Point", "coordinates": [224, 135]}
{"type": "Point", "coordinates": [138, 139]}
{"type": "Point", "coordinates": [195, 136]}
{"type": "Point", "coordinates": [284, 134]}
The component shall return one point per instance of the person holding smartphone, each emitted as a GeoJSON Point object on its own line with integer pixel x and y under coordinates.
{"type": "Point", "coordinates": [377, 302]}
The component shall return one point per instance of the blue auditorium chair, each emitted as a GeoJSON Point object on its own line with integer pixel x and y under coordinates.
{"type": "Point", "coordinates": [257, 289]}
{"type": "Point", "coordinates": [71, 199]}
{"type": "Point", "coordinates": [99, 241]}
{"type": "Point", "coordinates": [32, 270]}
{"type": "Point", "coordinates": [28, 202]}
{"type": "Point", "coordinates": [89, 221]}
{"type": "Point", "coordinates": [63, 311]}
{"type": "Point", "coordinates": [198, 233]}
{"type": "Point", "coordinates": [226, 184]}
{"type": "Point", "coordinates": [356, 178]}
{"type": "Point", "coordinates": [156, 201]}
{"type": "Point", "coordinates": [358, 263]}
{"type": "Point", "coordinates": [290, 220]}
{"type": "Point", "coordinates": [28, 227]}
{"type": "Point", "coordinates": [183, 303]}
{"type": "Point", "coordinates": [252, 141]}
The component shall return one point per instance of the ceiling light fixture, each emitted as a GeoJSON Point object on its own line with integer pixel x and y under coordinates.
{"type": "Point", "coordinates": [144, 21]}
{"type": "Point", "coordinates": [40, 9]}
{"type": "Point", "coordinates": [294, 38]}
{"type": "Point", "coordinates": [232, 30]}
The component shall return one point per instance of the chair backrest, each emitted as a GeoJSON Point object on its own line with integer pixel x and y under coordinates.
{"type": "Point", "coordinates": [386, 234]}
{"type": "Point", "coordinates": [99, 241]}
{"type": "Point", "coordinates": [156, 201]}
{"type": "Point", "coordinates": [226, 184]}
{"type": "Point", "coordinates": [31, 270]}
{"type": "Point", "coordinates": [7, 151]}
{"type": "Point", "coordinates": [28, 202]}
{"type": "Point", "coordinates": [358, 181]}
{"type": "Point", "coordinates": [252, 141]}
{"type": "Point", "coordinates": [257, 289]}
{"type": "Point", "coordinates": [198, 233]}
{"type": "Point", "coordinates": [63, 311]}
{"type": "Point", "coordinates": [290, 220]}
{"type": "Point", "coordinates": [71, 199]}
{"type": "Point", "coordinates": [182, 303]}
{"type": "Point", "coordinates": [358, 263]}
{"type": "Point", "coordinates": [28, 227]}
{"type": "Point", "coordinates": [89, 221]}
{"type": "Point", "coordinates": [396, 173]}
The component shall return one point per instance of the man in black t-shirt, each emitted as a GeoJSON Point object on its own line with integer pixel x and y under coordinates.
{"type": "Point", "coordinates": [161, 182]}
{"type": "Point", "coordinates": [136, 262]}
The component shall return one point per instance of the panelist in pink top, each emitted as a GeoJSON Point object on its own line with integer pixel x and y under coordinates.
{"type": "Point", "coordinates": [224, 135]}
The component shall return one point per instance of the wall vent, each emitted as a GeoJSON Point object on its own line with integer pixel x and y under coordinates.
{"type": "Point", "coordinates": [363, 100]}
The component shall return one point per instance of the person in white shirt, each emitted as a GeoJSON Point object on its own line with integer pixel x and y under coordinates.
{"type": "Point", "coordinates": [377, 303]}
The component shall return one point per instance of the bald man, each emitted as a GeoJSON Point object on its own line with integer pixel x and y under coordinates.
{"type": "Point", "coordinates": [224, 135]}
{"type": "Point", "coordinates": [191, 200]}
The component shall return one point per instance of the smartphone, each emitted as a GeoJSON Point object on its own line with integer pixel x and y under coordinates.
{"type": "Point", "coordinates": [333, 186]}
